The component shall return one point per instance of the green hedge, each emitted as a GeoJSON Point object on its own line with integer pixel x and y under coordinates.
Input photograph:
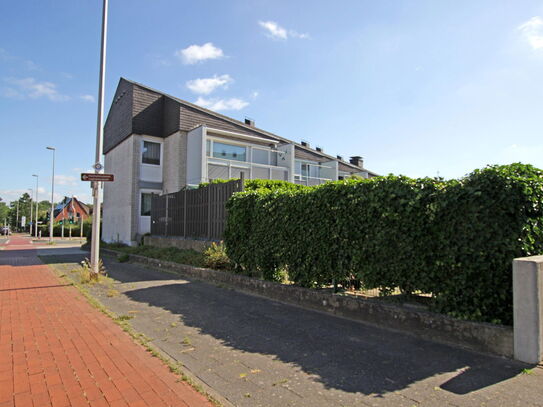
{"type": "Point", "coordinates": [57, 230]}
{"type": "Point", "coordinates": [454, 239]}
{"type": "Point", "coordinates": [258, 184]}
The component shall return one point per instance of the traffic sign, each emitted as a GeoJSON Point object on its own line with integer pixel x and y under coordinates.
{"type": "Point", "coordinates": [96, 177]}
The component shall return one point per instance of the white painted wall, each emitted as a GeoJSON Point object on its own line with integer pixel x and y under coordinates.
{"type": "Point", "coordinates": [117, 206]}
{"type": "Point", "coordinates": [287, 159]}
{"type": "Point", "coordinates": [196, 156]}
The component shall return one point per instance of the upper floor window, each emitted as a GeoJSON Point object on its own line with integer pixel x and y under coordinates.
{"type": "Point", "coordinates": [150, 153]}
{"type": "Point", "coordinates": [229, 151]}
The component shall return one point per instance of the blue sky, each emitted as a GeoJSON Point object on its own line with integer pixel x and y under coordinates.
{"type": "Point", "coordinates": [415, 87]}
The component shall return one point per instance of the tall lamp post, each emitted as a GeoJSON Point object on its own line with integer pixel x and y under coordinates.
{"type": "Point", "coordinates": [96, 187]}
{"type": "Point", "coordinates": [31, 209]}
{"type": "Point", "coordinates": [37, 207]}
{"type": "Point", "coordinates": [52, 217]}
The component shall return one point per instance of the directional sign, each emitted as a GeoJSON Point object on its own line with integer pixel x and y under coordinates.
{"type": "Point", "coordinates": [96, 177]}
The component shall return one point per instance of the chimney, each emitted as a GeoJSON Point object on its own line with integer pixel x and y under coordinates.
{"type": "Point", "coordinates": [305, 143]}
{"type": "Point", "coordinates": [339, 157]}
{"type": "Point", "coordinates": [319, 149]}
{"type": "Point", "coordinates": [249, 122]}
{"type": "Point", "coordinates": [357, 160]}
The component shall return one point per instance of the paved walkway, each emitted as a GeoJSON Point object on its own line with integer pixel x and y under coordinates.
{"type": "Point", "coordinates": [257, 352]}
{"type": "Point", "coordinates": [57, 350]}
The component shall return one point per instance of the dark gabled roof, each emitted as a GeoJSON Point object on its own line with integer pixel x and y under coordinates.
{"type": "Point", "coordinates": [246, 126]}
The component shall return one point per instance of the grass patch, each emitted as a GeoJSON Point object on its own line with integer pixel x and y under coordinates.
{"type": "Point", "coordinates": [191, 257]}
{"type": "Point", "coordinates": [527, 371]}
{"type": "Point", "coordinates": [186, 341]}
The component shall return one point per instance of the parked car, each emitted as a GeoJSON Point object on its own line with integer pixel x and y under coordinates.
{"type": "Point", "coordinates": [5, 230]}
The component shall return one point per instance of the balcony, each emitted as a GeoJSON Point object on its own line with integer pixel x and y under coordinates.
{"type": "Point", "coordinates": [219, 168]}
{"type": "Point", "coordinates": [309, 181]}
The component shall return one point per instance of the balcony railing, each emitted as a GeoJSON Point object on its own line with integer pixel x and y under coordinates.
{"type": "Point", "coordinates": [309, 181]}
{"type": "Point", "coordinates": [220, 168]}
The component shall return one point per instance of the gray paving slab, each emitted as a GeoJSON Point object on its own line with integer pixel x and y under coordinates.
{"type": "Point", "coordinates": [257, 352]}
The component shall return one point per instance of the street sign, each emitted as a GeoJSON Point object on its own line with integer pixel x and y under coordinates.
{"type": "Point", "coordinates": [96, 177]}
{"type": "Point", "coordinates": [98, 166]}
{"type": "Point", "coordinates": [23, 221]}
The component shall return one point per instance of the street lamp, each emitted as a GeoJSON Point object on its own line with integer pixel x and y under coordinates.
{"type": "Point", "coordinates": [31, 209]}
{"type": "Point", "coordinates": [96, 192]}
{"type": "Point", "coordinates": [52, 218]}
{"type": "Point", "coordinates": [37, 207]}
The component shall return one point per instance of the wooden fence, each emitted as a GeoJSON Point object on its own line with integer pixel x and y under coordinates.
{"type": "Point", "coordinates": [193, 213]}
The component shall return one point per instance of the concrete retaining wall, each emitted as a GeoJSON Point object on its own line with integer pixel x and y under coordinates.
{"type": "Point", "coordinates": [476, 336]}
{"type": "Point", "coordinates": [179, 242]}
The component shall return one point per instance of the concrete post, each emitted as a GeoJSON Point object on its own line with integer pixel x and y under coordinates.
{"type": "Point", "coordinates": [528, 309]}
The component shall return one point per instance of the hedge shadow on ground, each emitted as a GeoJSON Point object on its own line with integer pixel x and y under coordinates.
{"type": "Point", "coordinates": [343, 355]}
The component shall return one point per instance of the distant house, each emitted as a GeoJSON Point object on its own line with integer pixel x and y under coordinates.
{"type": "Point", "coordinates": [71, 208]}
{"type": "Point", "coordinates": [155, 143]}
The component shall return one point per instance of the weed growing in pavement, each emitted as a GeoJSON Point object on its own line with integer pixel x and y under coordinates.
{"type": "Point", "coordinates": [112, 293]}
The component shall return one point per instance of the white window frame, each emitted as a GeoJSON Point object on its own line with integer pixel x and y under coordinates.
{"type": "Point", "coordinates": [152, 140]}
{"type": "Point", "coordinates": [146, 191]}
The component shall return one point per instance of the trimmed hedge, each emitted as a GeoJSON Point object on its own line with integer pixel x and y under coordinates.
{"type": "Point", "coordinates": [454, 239]}
{"type": "Point", "coordinates": [57, 230]}
{"type": "Point", "coordinates": [258, 184]}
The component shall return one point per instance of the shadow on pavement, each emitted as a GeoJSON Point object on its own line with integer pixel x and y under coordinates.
{"type": "Point", "coordinates": [344, 355]}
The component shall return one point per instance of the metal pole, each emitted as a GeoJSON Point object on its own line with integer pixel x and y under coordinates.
{"type": "Point", "coordinates": [17, 219]}
{"type": "Point", "coordinates": [96, 190]}
{"type": "Point", "coordinates": [31, 212]}
{"type": "Point", "coordinates": [37, 207]}
{"type": "Point", "coordinates": [52, 217]}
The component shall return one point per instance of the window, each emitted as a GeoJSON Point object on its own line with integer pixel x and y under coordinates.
{"type": "Point", "coordinates": [229, 152]}
{"type": "Point", "coordinates": [146, 204]}
{"type": "Point", "coordinates": [260, 156]}
{"type": "Point", "coordinates": [273, 157]}
{"type": "Point", "coordinates": [150, 153]}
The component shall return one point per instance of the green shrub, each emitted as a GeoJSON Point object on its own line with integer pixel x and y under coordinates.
{"type": "Point", "coordinates": [258, 184]}
{"type": "Point", "coordinates": [173, 254]}
{"type": "Point", "coordinates": [123, 258]}
{"type": "Point", "coordinates": [215, 257]}
{"type": "Point", "coordinates": [454, 239]}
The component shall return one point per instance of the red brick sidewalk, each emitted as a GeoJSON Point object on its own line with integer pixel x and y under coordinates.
{"type": "Point", "coordinates": [57, 350]}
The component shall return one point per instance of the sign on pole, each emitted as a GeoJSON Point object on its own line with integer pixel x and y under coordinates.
{"type": "Point", "coordinates": [23, 221]}
{"type": "Point", "coordinates": [97, 177]}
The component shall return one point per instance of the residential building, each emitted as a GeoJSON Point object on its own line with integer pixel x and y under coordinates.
{"type": "Point", "coordinates": [155, 143]}
{"type": "Point", "coordinates": [71, 209]}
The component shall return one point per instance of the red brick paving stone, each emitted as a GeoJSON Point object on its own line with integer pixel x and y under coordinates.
{"type": "Point", "coordinates": [57, 350]}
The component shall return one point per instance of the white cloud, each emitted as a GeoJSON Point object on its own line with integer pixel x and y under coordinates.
{"type": "Point", "coordinates": [275, 31]}
{"type": "Point", "coordinates": [198, 53]}
{"type": "Point", "coordinates": [33, 89]}
{"type": "Point", "coordinates": [222, 104]}
{"type": "Point", "coordinates": [532, 31]}
{"type": "Point", "coordinates": [26, 63]}
{"type": "Point", "coordinates": [254, 94]}
{"type": "Point", "coordinates": [68, 180]}
{"type": "Point", "coordinates": [87, 98]}
{"type": "Point", "coordinates": [204, 86]}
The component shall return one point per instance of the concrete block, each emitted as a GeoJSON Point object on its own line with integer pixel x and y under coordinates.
{"type": "Point", "coordinates": [528, 309]}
